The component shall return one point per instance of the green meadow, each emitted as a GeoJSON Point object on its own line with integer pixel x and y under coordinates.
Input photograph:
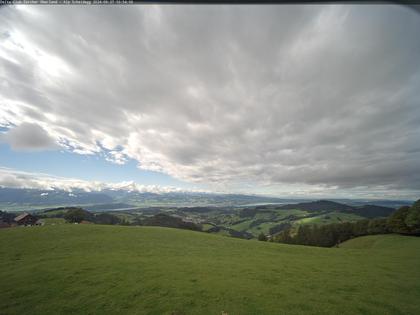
{"type": "Point", "coordinates": [94, 269]}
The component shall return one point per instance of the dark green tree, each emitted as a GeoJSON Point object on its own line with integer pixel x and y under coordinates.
{"type": "Point", "coordinates": [360, 227]}
{"type": "Point", "coordinates": [378, 226]}
{"type": "Point", "coordinates": [77, 215]}
{"type": "Point", "coordinates": [396, 221]}
{"type": "Point", "coordinates": [262, 237]}
{"type": "Point", "coordinates": [412, 220]}
{"type": "Point", "coordinates": [284, 237]}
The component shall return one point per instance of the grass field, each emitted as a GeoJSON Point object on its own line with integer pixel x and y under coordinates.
{"type": "Point", "coordinates": [332, 217]}
{"type": "Point", "coordinates": [390, 242]}
{"type": "Point", "coordinates": [263, 221]}
{"type": "Point", "coordinates": [93, 269]}
{"type": "Point", "coordinates": [53, 221]}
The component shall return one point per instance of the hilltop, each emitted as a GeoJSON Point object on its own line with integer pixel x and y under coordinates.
{"type": "Point", "coordinates": [367, 211]}
{"type": "Point", "coordinates": [96, 269]}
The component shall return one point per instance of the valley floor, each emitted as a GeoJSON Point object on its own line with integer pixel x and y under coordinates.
{"type": "Point", "coordinates": [93, 269]}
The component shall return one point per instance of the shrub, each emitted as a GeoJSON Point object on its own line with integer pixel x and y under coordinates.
{"type": "Point", "coordinates": [262, 237]}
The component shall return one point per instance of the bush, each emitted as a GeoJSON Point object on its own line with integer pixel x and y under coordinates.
{"type": "Point", "coordinates": [262, 237]}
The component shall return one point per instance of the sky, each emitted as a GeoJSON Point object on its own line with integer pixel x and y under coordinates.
{"type": "Point", "coordinates": [281, 100]}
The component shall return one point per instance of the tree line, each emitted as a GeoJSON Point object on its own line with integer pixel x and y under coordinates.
{"type": "Point", "coordinates": [405, 220]}
{"type": "Point", "coordinates": [77, 215]}
{"type": "Point", "coordinates": [80, 215]}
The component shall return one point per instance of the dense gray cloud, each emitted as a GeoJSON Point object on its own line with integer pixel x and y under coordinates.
{"type": "Point", "coordinates": [325, 96]}
{"type": "Point", "coordinates": [29, 136]}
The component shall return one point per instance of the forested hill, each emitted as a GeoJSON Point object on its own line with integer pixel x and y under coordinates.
{"type": "Point", "coordinates": [326, 205]}
{"type": "Point", "coordinates": [372, 211]}
{"type": "Point", "coordinates": [368, 211]}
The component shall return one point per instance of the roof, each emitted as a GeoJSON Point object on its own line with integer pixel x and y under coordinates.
{"type": "Point", "coordinates": [22, 216]}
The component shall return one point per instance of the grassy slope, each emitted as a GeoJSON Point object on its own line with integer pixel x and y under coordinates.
{"type": "Point", "coordinates": [265, 226]}
{"type": "Point", "coordinates": [274, 218]}
{"type": "Point", "coordinates": [53, 221]}
{"type": "Point", "coordinates": [383, 242]}
{"type": "Point", "coordinates": [91, 269]}
{"type": "Point", "coordinates": [331, 217]}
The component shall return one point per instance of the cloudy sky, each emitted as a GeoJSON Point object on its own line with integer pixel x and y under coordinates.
{"type": "Point", "coordinates": [278, 100]}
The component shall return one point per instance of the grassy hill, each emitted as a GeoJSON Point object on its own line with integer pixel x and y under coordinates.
{"type": "Point", "coordinates": [272, 219]}
{"type": "Point", "coordinates": [93, 269]}
{"type": "Point", "coordinates": [387, 242]}
{"type": "Point", "coordinates": [240, 221]}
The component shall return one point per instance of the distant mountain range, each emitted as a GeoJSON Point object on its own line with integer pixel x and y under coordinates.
{"type": "Point", "coordinates": [38, 197]}
{"type": "Point", "coordinates": [24, 199]}
{"type": "Point", "coordinates": [121, 199]}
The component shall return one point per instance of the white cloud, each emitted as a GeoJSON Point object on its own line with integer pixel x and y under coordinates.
{"type": "Point", "coordinates": [309, 96]}
{"type": "Point", "coordinates": [18, 179]}
{"type": "Point", "coordinates": [116, 157]}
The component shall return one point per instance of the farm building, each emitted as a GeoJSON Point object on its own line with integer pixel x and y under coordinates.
{"type": "Point", "coordinates": [25, 219]}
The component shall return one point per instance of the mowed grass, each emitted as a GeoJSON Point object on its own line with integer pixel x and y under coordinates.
{"type": "Point", "coordinates": [93, 269]}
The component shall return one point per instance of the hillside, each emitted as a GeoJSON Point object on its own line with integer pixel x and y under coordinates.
{"type": "Point", "coordinates": [367, 211]}
{"type": "Point", "coordinates": [392, 242]}
{"type": "Point", "coordinates": [94, 269]}
{"type": "Point", "coordinates": [372, 211]}
{"type": "Point", "coordinates": [318, 205]}
{"type": "Point", "coordinates": [241, 221]}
